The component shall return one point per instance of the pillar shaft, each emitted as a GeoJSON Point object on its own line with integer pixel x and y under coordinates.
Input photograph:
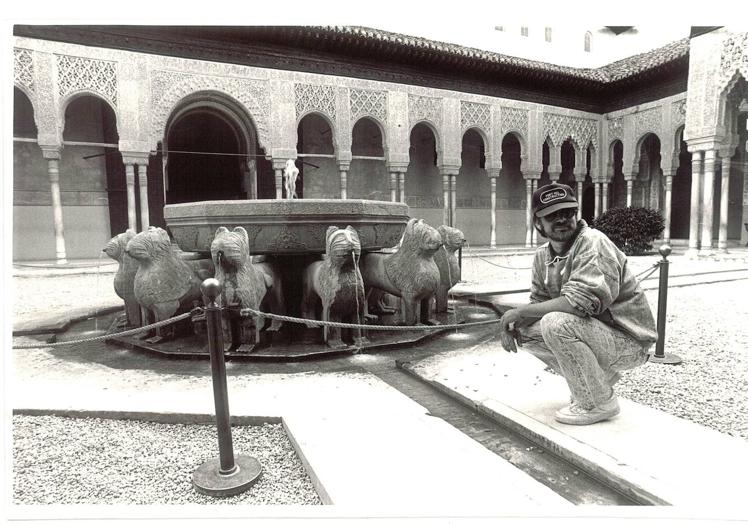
{"type": "Point", "coordinates": [143, 184]}
{"type": "Point", "coordinates": [579, 199]}
{"type": "Point", "coordinates": [493, 211]}
{"type": "Point", "coordinates": [693, 229]}
{"type": "Point", "coordinates": [597, 199]}
{"type": "Point", "coordinates": [53, 170]}
{"type": "Point", "coordinates": [724, 204]}
{"type": "Point", "coordinates": [533, 233]}
{"type": "Point", "coordinates": [453, 201]}
{"type": "Point", "coordinates": [132, 221]}
{"type": "Point", "coordinates": [629, 192]}
{"type": "Point", "coordinates": [528, 213]}
{"type": "Point", "coordinates": [708, 202]}
{"type": "Point", "coordinates": [343, 184]}
{"type": "Point", "coordinates": [446, 192]}
{"type": "Point", "coordinates": [393, 186]}
{"type": "Point", "coordinates": [668, 206]}
{"type": "Point", "coordinates": [278, 184]}
{"type": "Point", "coordinates": [605, 197]}
{"type": "Point", "coordinates": [401, 183]}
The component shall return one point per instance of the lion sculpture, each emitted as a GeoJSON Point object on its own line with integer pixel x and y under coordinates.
{"type": "Point", "coordinates": [124, 280]}
{"type": "Point", "coordinates": [289, 178]}
{"type": "Point", "coordinates": [336, 281]}
{"type": "Point", "coordinates": [449, 267]}
{"type": "Point", "coordinates": [164, 283]}
{"type": "Point", "coordinates": [410, 273]}
{"type": "Point", "coordinates": [246, 284]}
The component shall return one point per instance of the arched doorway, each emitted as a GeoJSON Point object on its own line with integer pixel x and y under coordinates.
{"type": "Point", "coordinates": [648, 190]}
{"type": "Point", "coordinates": [567, 165]}
{"type": "Point", "coordinates": [368, 177]}
{"type": "Point", "coordinates": [617, 191]}
{"type": "Point", "coordinates": [474, 190]}
{"type": "Point", "coordinates": [511, 194]}
{"type": "Point", "coordinates": [319, 176]}
{"type": "Point", "coordinates": [680, 208]}
{"type": "Point", "coordinates": [423, 185]}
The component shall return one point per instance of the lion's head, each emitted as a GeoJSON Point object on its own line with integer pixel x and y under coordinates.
{"type": "Point", "coordinates": [116, 247]}
{"type": "Point", "coordinates": [341, 245]}
{"type": "Point", "coordinates": [420, 237]}
{"type": "Point", "coordinates": [149, 245]}
{"type": "Point", "coordinates": [452, 238]}
{"type": "Point", "coordinates": [230, 249]}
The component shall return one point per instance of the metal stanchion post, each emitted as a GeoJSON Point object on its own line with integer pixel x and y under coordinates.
{"type": "Point", "coordinates": [228, 474]}
{"type": "Point", "coordinates": [459, 258]}
{"type": "Point", "coordinates": [659, 356]}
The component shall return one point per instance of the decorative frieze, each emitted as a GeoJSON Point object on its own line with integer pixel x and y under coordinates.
{"type": "Point", "coordinates": [734, 57]}
{"type": "Point", "coordinates": [365, 102]}
{"type": "Point", "coordinates": [648, 121]}
{"type": "Point", "coordinates": [313, 97]}
{"type": "Point", "coordinates": [560, 127]}
{"type": "Point", "coordinates": [424, 108]}
{"type": "Point", "coordinates": [473, 114]}
{"type": "Point", "coordinates": [514, 119]}
{"type": "Point", "coordinates": [23, 68]}
{"type": "Point", "coordinates": [169, 87]}
{"type": "Point", "coordinates": [678, 113]}
{"type": "Point", "coordinates": [75, 74]}
{"type": "Point", "coordinates": [615, 128]}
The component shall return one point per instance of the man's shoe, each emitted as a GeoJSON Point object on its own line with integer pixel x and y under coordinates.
{"type": "Point", "coordinates": [579, 416]}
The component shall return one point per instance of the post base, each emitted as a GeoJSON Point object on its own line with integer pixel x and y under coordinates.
{"type": "Point", "coordinates": [208, 479]}
{"type": "Point", "coordinates": [667, 358]}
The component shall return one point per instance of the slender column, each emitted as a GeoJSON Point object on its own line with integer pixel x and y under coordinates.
{"type": "Point", "coordinates": [401, 183]}
{"type": "Point", "coordinates": [143, 183]}
{"type": "Point", "coordinates": [724, 204]}
{"type": "Point", "coordinates": [605, 197]}
{"type": "Point", "coordinates": [629, 192]}
{"type": "Point", "coordinates": [278, 184]}
{"type": "Point", "coordinates": [343, 183]}
{"type": "Point", "coordinates": [534, 237]}
{"type": "Point", "coordinates": [393, 186]}
{"type": "Point", "coordinates": [53, 170]}
{"type": "Point", "coordinates": [693, 229]}
{"type": "Point", "coordinates": [528, 213]}
{"type": "Point", "coordinates": [252, 168]}
{"type": "Point", "coordinates": [579, 199]}
{"type": "Point", "coordinates": [446, 192]}
{"type": "Point", "coordinates": [453, 201]}
{"type": "Point", "coordinates": [708, 203]}
{"type": "Point", "coordinates": [132, 221]}
{"type": "Point", "coordinates": [597, 199]}
{"type": "Point", "coordinates": [493, 211]}
{"type": "Point", "coordinates": [668, 205]}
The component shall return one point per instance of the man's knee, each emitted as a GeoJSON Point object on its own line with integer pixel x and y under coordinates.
{"type": "Point", "coordinates": [555, 323]}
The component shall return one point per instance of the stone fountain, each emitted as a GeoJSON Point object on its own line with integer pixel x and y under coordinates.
{"type": "Point", "coordinates": [307, 259]}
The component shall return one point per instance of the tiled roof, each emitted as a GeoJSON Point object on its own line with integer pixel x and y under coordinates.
{"type": "Point", "coordinates": [628, 67]}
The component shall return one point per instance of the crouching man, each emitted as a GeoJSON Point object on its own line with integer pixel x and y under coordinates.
{"type": "Point", "coordinates": [588, 317]}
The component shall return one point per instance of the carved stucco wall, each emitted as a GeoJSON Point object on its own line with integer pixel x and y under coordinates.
{"type": "Point", "coordinates": [514, 119]}
{"type": "Point", "coordinates": [582, 131]}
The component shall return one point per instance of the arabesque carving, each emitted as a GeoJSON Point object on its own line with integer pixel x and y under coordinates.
{"type": "Point", "coordinates": [615, 128]}
{"type": "Point", "coordinates": [678, 113]}
{"type": "Point", "coordinates": [648, 121]}
{"type": "Point", "coordinates": [560, 127]}
{"type": "Point", "coordinates": [313, 97]}
{"type": "Point", "coordinates": [76, 74]}
{"type": "Point", "coordinates": [514, 119]}
{"type": "Point", "coordinates": [23, 68]}
{"type": "Point", "coordinates": [734, 57]}
{"type": "Point", "coordinates": [169, 87]}
{"type": "Point", "coordinates": [473, 114]}
{"type": "Point", "coordinates": [365, 102]}
{"type": "Point", "coordinates": [424, 108]}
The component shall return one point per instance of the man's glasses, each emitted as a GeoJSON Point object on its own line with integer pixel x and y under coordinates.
{"type": "Point", "coordinates": [564, 214]}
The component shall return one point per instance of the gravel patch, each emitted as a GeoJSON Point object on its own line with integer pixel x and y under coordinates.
{"type": "Point", "coordinates": [62, 460]}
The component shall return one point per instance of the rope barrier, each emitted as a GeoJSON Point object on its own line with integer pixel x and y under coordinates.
{"type": "Point", "coordinates": [499, 265]}
{"type": "Point", "coordinates": [112, 335]}
{"type": "Point", "coordinates": [648, 271]}
{"type": "Point", "coordinates": [310, 322]}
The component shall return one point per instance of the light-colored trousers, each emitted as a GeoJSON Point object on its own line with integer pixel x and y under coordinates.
{"type": "Point", "coordinates": [585, 351]}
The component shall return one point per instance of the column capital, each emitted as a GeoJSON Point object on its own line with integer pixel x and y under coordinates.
{"type": "Point", "coordinates": [493, 172]}
{"type": "Point", "coordinates": [449, 170]}
{"type": "Point", "coordinates": [344, 165]}
{"type": "Point", "coordinates": [531, 176]}
{"type": "Point", "coordinates": [397, 167]}
{"type": "Point", "coordinates": [280, 163]}
{"type": "Point", "coordinates": [51, 152]}
{"type": "Point", "coordinates": [136, 157]}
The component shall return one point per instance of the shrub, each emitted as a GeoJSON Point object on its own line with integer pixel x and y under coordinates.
{"type": "Point", "coordinates": [632, 229]}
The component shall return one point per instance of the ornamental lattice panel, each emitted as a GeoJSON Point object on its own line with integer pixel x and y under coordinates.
{"type": "Point", "coordinates": [169, 87]}
{"type": "Point", "coordinates": [474, 114]}
{"type": "Point", "coordinates": [514, 119]}
{"type": "Point", "coordinates": [734, 58]}
{"type": "Point", "coordinates": [424, 108]}
{"type": "Point", "coordinates": [365, 102]}
{"type": "Point", "coordinates": [648, 121]}
{"type": "Point", "coordinates": [678, 113]}
{"type": "Point", "coordinates": [23, 68]}
{"type": "Point", "coordinates": [615, 128]}
{"type": "Point", "coordinates": [314, 98]}
{"type": "Point", "coordinates": [560, 127]}
{"type": "Point", "coordinates": [76, 74]}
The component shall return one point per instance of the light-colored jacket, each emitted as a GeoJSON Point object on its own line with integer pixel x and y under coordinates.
{"type": "Point", "coordinates": [595, 278]}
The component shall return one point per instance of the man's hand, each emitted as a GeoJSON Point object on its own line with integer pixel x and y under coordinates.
{"type": "Point", "coordinates": [509, 323]}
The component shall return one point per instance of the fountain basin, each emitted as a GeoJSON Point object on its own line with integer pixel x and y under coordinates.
{"type": "Point", "coordinates": [280, 227]}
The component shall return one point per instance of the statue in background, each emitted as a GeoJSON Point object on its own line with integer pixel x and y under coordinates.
{"type": "Point", "coordinates": [449, 267]}
{"type": "Point", "coordinates": [410, 273]}
{"type": "Point", "coordinates": [124, 280]}
{"type": "Point", "coordinates": [246, 284]}
{"type": "Point", "coordinates": [336, 281]}
{"type": "Point", "coordinates": [164, 284]}
{"type": "Point", "coordinates": [290, 173]}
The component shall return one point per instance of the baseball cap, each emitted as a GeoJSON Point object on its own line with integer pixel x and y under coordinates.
{"type": "Point", "coordinates": [552, 197]}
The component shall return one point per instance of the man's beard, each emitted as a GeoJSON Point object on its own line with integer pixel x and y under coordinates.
{"type": "Point", "coordinates": [560, 236]}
